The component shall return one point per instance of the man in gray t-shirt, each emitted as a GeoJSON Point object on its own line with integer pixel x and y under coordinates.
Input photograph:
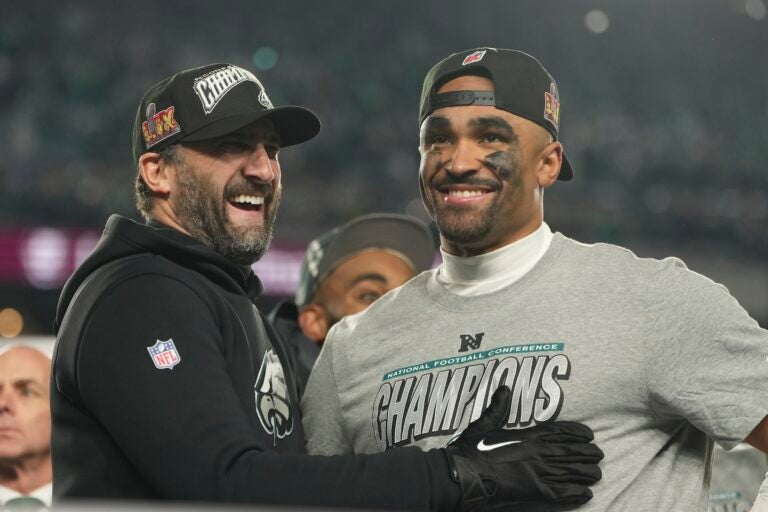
{"type": "Point", "coordinates": [658, 360]}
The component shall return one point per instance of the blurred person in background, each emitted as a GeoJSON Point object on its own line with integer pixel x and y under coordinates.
{"type": "Point", "coordinates": [659, 360]}
{"type": "Point", "coordinates": [346, 270]}
{"type": "Point", "coordinates": [25, 429]}
{"type": "Point", "coordinates": [737, 475]}
{"type": "Point", "coordinates": [168, 383]}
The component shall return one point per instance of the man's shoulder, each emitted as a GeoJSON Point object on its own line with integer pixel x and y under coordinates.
{"type": "Point", "coordinates": [132, 284]}
{"type": "Point", "coordinates": [606, 258]}
{"type": "Point", "coordinates": [151, 269]}
{"type": "Point", "coordinates": [622, 269]}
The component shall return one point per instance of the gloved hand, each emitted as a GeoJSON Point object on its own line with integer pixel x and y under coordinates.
{"type": "Point", "coordinates": [548, 463]}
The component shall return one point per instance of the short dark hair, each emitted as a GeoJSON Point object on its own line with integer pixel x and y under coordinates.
{"type": "Point", "coordinates": [141, 193]}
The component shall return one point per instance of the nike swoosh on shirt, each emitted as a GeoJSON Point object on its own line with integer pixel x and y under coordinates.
{"type": "Point", "coordinates": [488, 447]}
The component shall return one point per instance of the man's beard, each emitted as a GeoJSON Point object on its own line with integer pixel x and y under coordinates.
{"type": "Point", "coordinates": [457, 224]}
{"type": "Point", "coordinates": [459, 227]}
{"type": "Point", "coordinates": [202, 212]}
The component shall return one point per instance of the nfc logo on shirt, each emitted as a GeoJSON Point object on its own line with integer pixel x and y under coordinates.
{"type": "Point", "coordinates": [470, 342]}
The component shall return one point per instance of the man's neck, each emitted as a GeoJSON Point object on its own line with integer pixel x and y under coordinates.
{"type": "Point", "coordinates": [163, 214]}
{"type": "Point", "coordinates": [28, 475]}
{"type": "Point", "coordinates": [489, 272]}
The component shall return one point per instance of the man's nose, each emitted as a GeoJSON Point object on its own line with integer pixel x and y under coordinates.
{"type": "Point", "coordinates": [466, 157]}
{"type": "Point", "coordinates": [259, 165]}
{"type": "Point", "coordinates": [6, 403]}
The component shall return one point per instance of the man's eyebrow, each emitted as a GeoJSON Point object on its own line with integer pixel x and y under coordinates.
{"type": "Point", "coordinates": [493, 122]}
{"type": "Point", "coordinates": [20, 383]}
{"type": "Point", "coordinates": [372, 276]}
{"type": "Point", "coordinates": [437, 123]}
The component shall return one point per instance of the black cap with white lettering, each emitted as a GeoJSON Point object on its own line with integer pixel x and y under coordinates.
{"type": "Point", "coordinates": [521, 86]}
{"type": "Point", "coordinates": [211, 101]}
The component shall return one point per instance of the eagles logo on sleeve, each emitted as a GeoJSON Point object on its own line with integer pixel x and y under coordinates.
{"type": "Point", "coordinates": [272, 403]}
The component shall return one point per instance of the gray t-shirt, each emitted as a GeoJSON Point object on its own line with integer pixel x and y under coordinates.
{"type": "Point", "coordinates": [656, 359]}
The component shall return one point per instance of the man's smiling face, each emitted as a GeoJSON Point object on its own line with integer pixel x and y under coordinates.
{"type": "Point", "coordinates": [479, 172]}
{"type": "Point", "coordinates": [227, 191]}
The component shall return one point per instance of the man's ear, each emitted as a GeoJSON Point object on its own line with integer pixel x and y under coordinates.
{"type": "Point", "coordinates": [313, 321]}
{"type": "Point", "coordinates": [550, 161]}
{"type": "Point", "coordinates": [156, 173]}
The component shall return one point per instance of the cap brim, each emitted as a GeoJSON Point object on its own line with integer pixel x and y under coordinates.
{"type": "Point", "coordinates": [294, 125]}
{"type": "Point", "coordinates": [566, 171]}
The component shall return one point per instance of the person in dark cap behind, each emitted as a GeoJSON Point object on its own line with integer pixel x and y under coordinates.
{"type": "Point", "coordinates": [657, 359]}
{"type": "Point", "coordinates": [343, 272]}
{"type": "Point", "coordinates": [168, 384]}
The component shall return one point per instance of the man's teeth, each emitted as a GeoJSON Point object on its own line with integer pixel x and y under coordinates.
{"type": "Point", "coordinates": [252, 200]}
{"type": "Point", "coordinates": [465, 193]}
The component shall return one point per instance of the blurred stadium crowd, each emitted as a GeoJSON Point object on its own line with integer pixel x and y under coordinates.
{"type": "Point", "coordinates": [664, 107]}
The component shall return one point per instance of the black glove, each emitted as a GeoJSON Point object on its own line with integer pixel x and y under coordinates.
{"type": "Point", "coordinates": [548, 463]}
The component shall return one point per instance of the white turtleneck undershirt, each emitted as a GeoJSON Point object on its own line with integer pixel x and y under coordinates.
{"type": "Point", "coordinates": [486, 273]}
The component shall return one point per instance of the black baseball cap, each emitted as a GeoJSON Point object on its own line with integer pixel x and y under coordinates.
{"type": "Point", "coordinates": [406, 236]}
{"type": "Point", "coordinates": [522, 87]}
{"type": "Point", "coordinates": [210, 101]}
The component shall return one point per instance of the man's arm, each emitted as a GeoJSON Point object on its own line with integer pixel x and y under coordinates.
{"type": "Point", "coordinates": [187, 431]}
{"type": "Point", "coordinates": [759, 436]}
{"type": "Point", "coordinates": [551, 462]}
{"type": "Point", "coordinates": [707, 360]}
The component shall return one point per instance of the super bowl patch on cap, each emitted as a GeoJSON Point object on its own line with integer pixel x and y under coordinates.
{"type": "Point", "coordinates": [159, 125]}
{"type": "Point", "coordinates": [552, 105]}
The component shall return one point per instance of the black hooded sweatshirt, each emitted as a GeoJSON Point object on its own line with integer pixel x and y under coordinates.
{"type": "Point", "coordinates": [167, 384]}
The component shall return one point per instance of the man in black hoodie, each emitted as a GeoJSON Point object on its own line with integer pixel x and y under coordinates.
{"type": "Point", "coordinates": [167, 383]}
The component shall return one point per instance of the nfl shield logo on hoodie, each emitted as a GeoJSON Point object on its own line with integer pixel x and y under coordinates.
{"type": "Point", "coordinates": [164, 354]}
